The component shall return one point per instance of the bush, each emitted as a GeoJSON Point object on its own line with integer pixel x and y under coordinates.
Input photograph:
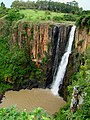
{"type": "Point", "coordinates": [13, 114]}
{"type": "Point", "coordinates": [69, 17]}
{"type": "Point", "coordinates": [47, 12]}
{"type": "Point", "coordinates": [14, 15]}
{"type": "Point", "coordinates": [79, 20]}
{"type": "Point", "coordinates": [80, 42]}
{"type": "Point", "coordinates": [4, 87]}
{"type": "Point", "coordinates": [57, 18]}
{"type": "Point", "coordinates": [84, 21]}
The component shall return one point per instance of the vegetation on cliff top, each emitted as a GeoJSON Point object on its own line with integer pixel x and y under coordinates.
{"type": "Point", "coordinates": [44, 11]}
{"type": "Point", "coordinates": [84, 21]}
{"type": "Point", "coordinates": [69, 7]}
{"type": "Point", "coordinates": [47, 16]}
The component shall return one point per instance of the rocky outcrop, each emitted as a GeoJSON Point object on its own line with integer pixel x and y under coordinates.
{"type": "Point", "coordinates": [36, 37]}
{"type": "Point", "coordinates": [77, 98]}
{"type": "Point", "coordinates": [1, 96]}
{"type": "Point", "coordinates": [82, 39]}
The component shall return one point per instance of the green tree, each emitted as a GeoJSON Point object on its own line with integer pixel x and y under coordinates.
{"type": "Point", "coordinates": [3, 5]}
{"type": "Point", "coordinates": [14, 15]}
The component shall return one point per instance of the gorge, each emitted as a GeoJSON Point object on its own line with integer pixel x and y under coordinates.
{"type": "Point", "coordinates": [57, 36]}
{"type": "Point", "coordinates": [44, 61]}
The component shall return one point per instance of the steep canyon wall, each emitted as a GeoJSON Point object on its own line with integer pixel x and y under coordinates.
{"type": "Point", "coordinates": [45, 41]}
{"type": "Point", "coordinates": [82, 39]}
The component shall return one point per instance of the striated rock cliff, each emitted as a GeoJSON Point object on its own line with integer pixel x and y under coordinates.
{"type": "Point", "coordinates": [82, 39]}
{"type": "Point", "coordinates": [46, 43]}
{"type": "Point", "coordinates": [36, 37]}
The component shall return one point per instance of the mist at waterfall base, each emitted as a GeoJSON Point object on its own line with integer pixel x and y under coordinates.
{"type": "Point", "coordinates": [58, 79]}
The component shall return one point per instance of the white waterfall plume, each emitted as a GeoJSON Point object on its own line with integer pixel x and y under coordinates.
{"type": "Point", "coordinates": [63, 64]}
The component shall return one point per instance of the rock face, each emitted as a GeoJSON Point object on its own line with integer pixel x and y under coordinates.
{"type": "Point", "coordinates": [44, 41]}
{"type": "Point", "coordinates": [35, 37]}
{"type": "Point", "coordinates": [59, 41]}
{"type": "Point", "coordinates": [77, 98]}
{"type": "Point", "coordinates": [82, 39]}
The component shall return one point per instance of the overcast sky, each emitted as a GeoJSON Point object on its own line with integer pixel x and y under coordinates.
{"type": "Point", "coordinates": [82, 3]}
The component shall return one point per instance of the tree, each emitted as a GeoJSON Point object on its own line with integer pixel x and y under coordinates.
{"type": "Point", "coordinates": [3, 5]}
{"type": "Point", "coordinates": [14, 15]}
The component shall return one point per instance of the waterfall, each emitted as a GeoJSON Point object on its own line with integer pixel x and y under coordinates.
{"type": "Point", "coordinates": [63, 64]}
{"type": "Point", "coordinates": [55, 65]}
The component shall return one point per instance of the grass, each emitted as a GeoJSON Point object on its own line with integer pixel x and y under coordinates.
{"type": "Point", "coordinates": [40, 16]}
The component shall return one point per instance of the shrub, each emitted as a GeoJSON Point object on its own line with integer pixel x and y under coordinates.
{"type": "Point", "coordinates": [57, 18]}
{"type": "Point", "coordinates": [84, 21]}
{"type": "Point", "coordinates": [80, 42]}
{"type": "Point", "coordinates": [13, 114]}
{"type": "Point", "coordinates": [69, 17]}
{"type": "Point", "coordinates": [14, 15]}
{"type": "Point", "coordinates": [47, 12]}
{"type": "Point", "coordinates": [79, 20]}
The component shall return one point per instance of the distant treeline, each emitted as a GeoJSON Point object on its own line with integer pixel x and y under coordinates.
{"type": "Point", "coordinates": [69, 7]}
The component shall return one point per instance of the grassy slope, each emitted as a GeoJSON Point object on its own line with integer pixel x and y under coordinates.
{"type": "Point", "coordinates": [42, 16]}
{"type": "Point", "coordinates": [38, 14]}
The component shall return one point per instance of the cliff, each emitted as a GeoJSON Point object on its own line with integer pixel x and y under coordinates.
{"type": "Point", "coordinates": [46, 43]}
{"type": "Point", "coordinates": [82, 39]}
{"type": "Point", "coordinates": [36, 37]}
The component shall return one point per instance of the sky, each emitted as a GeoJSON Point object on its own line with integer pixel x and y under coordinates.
{"type": "Point", "coordinates": [85, 4]}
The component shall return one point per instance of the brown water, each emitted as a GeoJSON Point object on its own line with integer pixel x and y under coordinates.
{"type": "Point", "coordinates": [30, 99]}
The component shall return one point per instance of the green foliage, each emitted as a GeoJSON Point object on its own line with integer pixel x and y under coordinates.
{"type": "Point", "coordinates": [84, 21]}
{"type": "Point", "coordinates": [41, 16]}
{"type": "Point", "coordinates": [80, 42]}
{"type": "Point", "coordinates": [78, 22]}
{"type": "Point", "coordinates": [69, 7]}
{"type": "Point", "coordinates": [25, 25]}
{"type": "Point", "coordinates": [13, 114]}
{"type": "Point", "coordinates": [2, 5]}
{"type": "Point", "coordinates": [14, 15]}
{"type": "Point", "coordinates": [46, 58]}
{"type": "Point", "coordinates": [66, 17]}
{"type": "Point", "coordinates": [4, 87]}
{"type": "Point", "coordinates": [23, 32]}
{"type": "Point", "coordinates": [16, 64]}
{"type": "Point", "coordinates": [36, 74]}
{"type": "Point", "coordinates": [3, 11]}
{"type": "Point", "coordinates": [69, 17]}
{"type": "Point", "coordinates": [47, 13]}
{"type": "Point", "coordinates": [57, 18]}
